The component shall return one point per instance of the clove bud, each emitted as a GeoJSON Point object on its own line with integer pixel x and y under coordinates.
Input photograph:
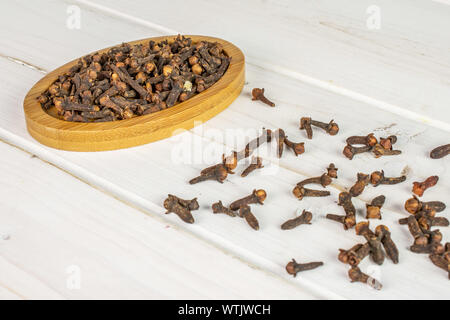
{"type": "Point", "coordinates": [304, 218]}
{"type": "Point", "coordinates": [293, 267]}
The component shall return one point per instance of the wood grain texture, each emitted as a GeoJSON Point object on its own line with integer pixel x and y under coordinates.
{"type": "Point", "coordinates": [328, 43]}
{"type": "Point", "coordinates": [142, 176]}
{"type": "Point", "coordinates": [113, 135]}
{"type": "Point", "coordinates": [119, 252]}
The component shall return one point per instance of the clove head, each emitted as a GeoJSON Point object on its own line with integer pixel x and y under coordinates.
{"type": "Point", "coordinates": [332, 171]}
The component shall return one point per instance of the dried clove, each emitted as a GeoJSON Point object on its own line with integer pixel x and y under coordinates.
{"type": "Point", "coordinates": [301, 192]}
{"type": "Point", "coordinates": [441, 262]}
{"type": "Point", "coordinates": [257, 196]}
{"type": "Point", "coordinates": [256, 164]}
{"type": "Point", "coordinates": [374, 208]}
{"type": "Point", "coordinates": [298, 148]}
{"type": "Point", "coordinates": [172, 205]}
{"type": "Point", "coordinates": [356, 275]}
{"type": "Point", "coordinates": [305, 124]}
{"type": "Point", "coordinates": [368, 140]}
{"type": "Point", "coordinates": [350, 151]}
{"type": "Point", "coordinates": [378, 150]}
{"type": "Point", "coordinates": [420, 187]}
{"type": "Point", "coordinates": [218, 207]}
{"type": "Point", "coordinates": [414, 205]}
{"type": "Point", "coordinates": [258, 94]}
{"type": "Point", "coordinates": [324, 180]}
{"type": "Point", "coordinates": [440, 152]}
{"type": "Point", "coordinates": [304, 218]}
{"type": "Point", "coordinates": [217, 172]}
{"type": "Point", "coordinates": [419, 237]}
{"type": "Point", "coordinates": [134, 80]}
{"type": "Point", "coordinates": [361, 183]}
{"type": "Point", "coordinates": [387, 143]}
{"type": "Point", "coordinates": [354, 255]}
{"type": "Point", "coordinates": [331, 128]}
{"type": "Point", "coordinates": [332, 171]}
{"type": "Point", "coordinates": [280, 136]}
{"type": "Point", "coordinates": [293, 267]}
{"type": "Point", "coordinates": [244, 212]}
{"type": "Point", "coordinates": [384, 234]}
{"type": "Point", "coordinates": [190, 204]}
{"type": "Point", "coordinates": [430, 248]}
{"type": "Point", "coordinates": [349, 220]}
{"type": "Point", "coordinates": [377, 178]}
{"type": "Point", "coordinates": [376, 251]}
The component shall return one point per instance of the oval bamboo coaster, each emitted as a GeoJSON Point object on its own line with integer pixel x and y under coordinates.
{"type": "Point", "coordinates": [75, 136]}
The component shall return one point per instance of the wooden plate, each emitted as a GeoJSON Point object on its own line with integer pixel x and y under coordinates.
{"type": "Point", "coordinates": [75, 136]}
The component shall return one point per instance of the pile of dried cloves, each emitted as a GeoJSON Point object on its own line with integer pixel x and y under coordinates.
{"type": "Point", "coordinates": [135, 80]}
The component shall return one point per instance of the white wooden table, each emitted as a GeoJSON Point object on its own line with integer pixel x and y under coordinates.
{"type": "Point", "coordinates": [91, 225]}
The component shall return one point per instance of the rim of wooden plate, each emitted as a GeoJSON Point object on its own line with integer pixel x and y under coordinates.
{"type": "Point", "coordinates": [75, 136]}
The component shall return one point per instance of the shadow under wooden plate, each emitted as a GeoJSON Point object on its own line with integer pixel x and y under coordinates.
{"type": "Point", "coordinates": [75, 136]}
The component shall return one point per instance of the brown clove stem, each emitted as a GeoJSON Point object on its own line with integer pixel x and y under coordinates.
{"type": "Point", "coordinates": [293, 267]}
{"type": "Point", "coordinates": [218, 207]}
{"type": "Point", "coordinates": [257, 196]}
{"type": "Point", "coordinates": [304, 218]}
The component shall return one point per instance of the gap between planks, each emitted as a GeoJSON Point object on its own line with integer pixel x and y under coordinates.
{"type": "Point", "coordinates": [150, 209]}
{"type": "Point", "coordinates": [395, 109]}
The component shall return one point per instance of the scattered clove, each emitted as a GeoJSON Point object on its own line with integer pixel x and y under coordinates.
{"type": "Point", "coordinates": [217, 172]}
{"type": "Point", "coordinates": [356, 275]}
{"type": "Point", "coordinates": [332, 171]}
{"type": "Point", "coordinates": [293, 267]}
{"type": "Point", "coordinates": [441, 262]}
{"type": "Point", "coordinates": [258, 94]}
{"type": "Point", "coordinates": [304, 218]}
{"type": "Point", "coordinates": [361, 183]}
{"type": "Point", "coordinates": [378, 150]}
{"type": "Point", "coordinates": [171, 204]}
{"type": "Point", "coordinates": [324, 180]}
{"type": "Point", "coordinates": [387, 143]}
{"type": "Point", "coordinates": [301, 192]}
{"type": "Point", "coordinates": [305, 124]}
{"type": "Point", "coordinates": [384, 234]}
{"type": "Point", "coordinates": [257, 196]}
{"type": "Point", "coordinates": [331, 128]}
{"type": "Point", "coordinates": [373, 210]}
{"type": "Point", "coordinates": [414, 205]}
{"type": "Point", "coordinates": [280, 136]}
{"type": "Point", "coordinates": [190, 204]}
{"type": "Point", "coordinates": [298, 148]}
{"type": "Point", "coordinates": [350, 151]}
{"type": "Point", "coordinates": [376, 251]}
{"type": "Point", "coordinates": [218, 207]}
{"type": "Point", "coordinates": [349, 219]}
{"type": "Point", "coordinates": [256, 164]}
{"type": "Point", "coordinates": [354, 255]}
{"type": "Point", "coordinates": [420, 187]}
{"type": "Point", "coordinates": [244, 212]}
{"type": "Point", "coordinates": [440, 152]}
{"type": "Point", "coordinates": [368, 140]}
{"type": "Point", "coordinates": [377, 178]}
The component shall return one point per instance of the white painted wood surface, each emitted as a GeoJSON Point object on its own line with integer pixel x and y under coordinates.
{"type": "Point", "coordinates": [60, 230]}
{"type": "Point", "coordinates": [142, 176]}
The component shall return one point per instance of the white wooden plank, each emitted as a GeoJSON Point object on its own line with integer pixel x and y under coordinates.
{"type": "Point", "coordinates": [402, 67]}
{"type": "Point", "coordinates": [142, 176]}
{"type": "Point", "coordinates": [58, 225]}
{"type": "Point", "coordinates": [133, 174]}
